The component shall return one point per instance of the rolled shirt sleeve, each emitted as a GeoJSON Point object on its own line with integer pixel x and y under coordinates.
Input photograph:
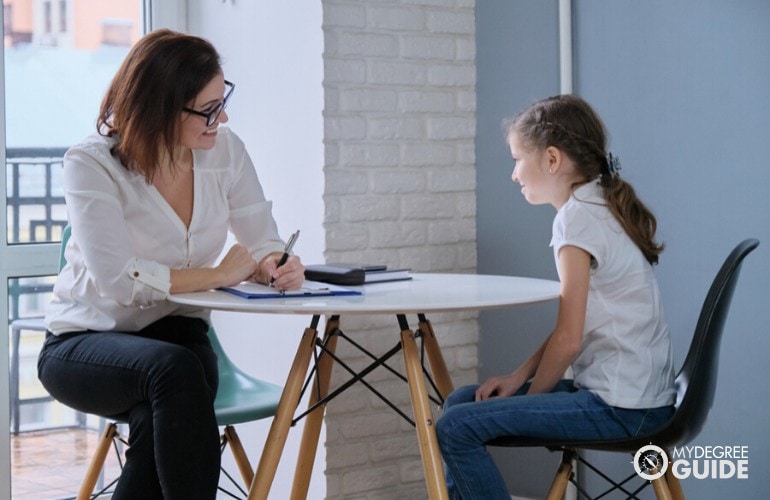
{"type": "Point", "coordinates": [152, 281]}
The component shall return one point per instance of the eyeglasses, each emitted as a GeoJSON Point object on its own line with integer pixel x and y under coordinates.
{"type": "Point", "coordinates": [211, 116]}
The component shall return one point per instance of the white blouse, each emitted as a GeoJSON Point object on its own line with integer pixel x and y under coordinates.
{"type": "Point", "coordinates": [126, 238]}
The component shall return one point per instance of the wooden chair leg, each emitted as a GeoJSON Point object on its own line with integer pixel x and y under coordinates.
{"type": "Point", "coordinates": [661, 488]}
{"type": "Point", "coordinates": [673, 484]}
{"type": "Point", "coordinates": [97, 462]}
{"type": "Point", "coordinates": [563, 473]}
{"type": "Point", "coordinates": [239, 454]}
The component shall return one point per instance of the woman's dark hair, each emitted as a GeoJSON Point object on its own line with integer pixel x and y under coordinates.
{"type": "Point", "coordinates": [162, 73]}
{"type": "Point", "coordinates": [569, 124]}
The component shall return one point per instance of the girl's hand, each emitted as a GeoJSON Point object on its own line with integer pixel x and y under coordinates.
{"type": "Point", "coordinates": [289, 276]}
{"type": "Point", "coordinates": [499, 387]}
{"type": "Point", "coordinates": [237, 265]}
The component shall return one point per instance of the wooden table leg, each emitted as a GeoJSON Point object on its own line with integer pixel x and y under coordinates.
{"type": "Point", "coordinates": [432, 464]}
{"type": "Point", "coordinates": [279, 429]}
{"type": "Point", "coordinates": [435, 358]}
{"type": "Point", "coordinates": [314, 420]}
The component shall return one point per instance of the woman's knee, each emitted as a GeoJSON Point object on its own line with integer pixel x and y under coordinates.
{"type": "Point", "coordinates": [177, 368]}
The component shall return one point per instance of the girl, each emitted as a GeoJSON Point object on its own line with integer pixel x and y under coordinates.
{"type": "Point", "coordinates": [150, 199]}
{"type": "Point", "coordinates": [610, 326]}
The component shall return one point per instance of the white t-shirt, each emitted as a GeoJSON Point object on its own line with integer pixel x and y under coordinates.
{"type": "Point", "coordinates": [126, 238]}
{"type": "Point", "coordinates": [626, 356]}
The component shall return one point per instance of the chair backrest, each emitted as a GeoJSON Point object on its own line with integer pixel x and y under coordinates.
{"type": "Point", "coordinates": [241, 397]}
{"type": "Point", "coordinates": [65, 236]}
{"type": "Point", "coordinates": [697, 380]}
{"type": "Point", "coordinates": [226, 367]}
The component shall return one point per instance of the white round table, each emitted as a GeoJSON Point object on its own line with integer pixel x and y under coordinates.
{"type": "Point", "coordinates": [424, 293]}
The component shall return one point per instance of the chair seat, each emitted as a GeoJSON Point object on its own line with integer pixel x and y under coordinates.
{"type": "Point", "coordinates": [241, 398]}
{"type": "Point", "coordinates": [629, 444]}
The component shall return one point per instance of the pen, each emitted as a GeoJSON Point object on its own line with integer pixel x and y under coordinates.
{"type": "Point", "coordinates": [289, 245]}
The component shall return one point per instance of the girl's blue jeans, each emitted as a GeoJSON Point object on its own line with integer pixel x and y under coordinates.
{"type": "Point", "coordinates": [565, 413]}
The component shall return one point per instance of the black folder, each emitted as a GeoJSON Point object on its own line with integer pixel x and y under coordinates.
{"type": "Point", "coordinates": [354, 274]}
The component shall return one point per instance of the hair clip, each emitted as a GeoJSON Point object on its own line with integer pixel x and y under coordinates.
{"type": "Point", "coordinates": [613, 165]}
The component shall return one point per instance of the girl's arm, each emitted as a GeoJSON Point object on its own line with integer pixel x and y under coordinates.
{"type": "Point", "coordinates": [564, 343]}
{"type": "Point", "coordinates": [507, 385]}
{"type": "Point", "coordinates": [548, 364]}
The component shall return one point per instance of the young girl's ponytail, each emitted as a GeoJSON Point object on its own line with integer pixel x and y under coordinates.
{"type": "Point", "coordinates": [637, 220]}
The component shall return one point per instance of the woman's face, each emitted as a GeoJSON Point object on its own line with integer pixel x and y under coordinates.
{"type": "Point", "coordinates": [194, 134]}
{"type": "Point", "coordinates": [530, 171]}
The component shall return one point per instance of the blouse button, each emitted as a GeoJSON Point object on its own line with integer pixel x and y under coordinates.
{"type": "Point", "coordinates": [136, 274]}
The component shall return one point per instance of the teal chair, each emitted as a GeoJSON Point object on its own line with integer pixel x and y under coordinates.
{"type": "Point", "coordinates": [240, 398]}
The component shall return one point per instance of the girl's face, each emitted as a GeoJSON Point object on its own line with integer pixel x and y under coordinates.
{"type": "Point", "coordinates": [194, 134]}
{"type": "Point", "coordinates": [531, 171]}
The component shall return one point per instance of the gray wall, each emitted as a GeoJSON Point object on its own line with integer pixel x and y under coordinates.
{"type": "Point", "coordinates": [684, 88]}
{"type": "Point", "coordinates": [517, 61]}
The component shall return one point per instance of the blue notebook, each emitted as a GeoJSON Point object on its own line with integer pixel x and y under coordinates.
{"type": "Point", "coordinates": [309, 289]}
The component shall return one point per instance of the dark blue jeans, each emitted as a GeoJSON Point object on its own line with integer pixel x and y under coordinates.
{"type": "Point", "coordinates": [565, 413]}
{"type": "Point", "coordinates": [163, 380]}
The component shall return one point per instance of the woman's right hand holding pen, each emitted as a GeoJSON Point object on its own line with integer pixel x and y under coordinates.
{"type": "Point", "coordinates": [288, 276]}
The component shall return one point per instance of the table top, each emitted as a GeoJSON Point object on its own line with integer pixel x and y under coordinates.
{"type": "Point", "coordinates": [424, 293]}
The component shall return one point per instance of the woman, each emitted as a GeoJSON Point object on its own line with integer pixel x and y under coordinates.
{"type": "Point", "coordinates": [150, 199]}
{"type": "Point", "coordinates": [610, 327]}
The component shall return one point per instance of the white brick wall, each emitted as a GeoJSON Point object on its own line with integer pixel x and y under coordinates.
{"type": "Point", "coordinates": [399, 120]}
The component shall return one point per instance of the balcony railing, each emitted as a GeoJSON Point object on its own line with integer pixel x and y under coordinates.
{"type": "Point", "coordinates": [35, 205]}
{"type": "Point", "coordinates": [35, 213]}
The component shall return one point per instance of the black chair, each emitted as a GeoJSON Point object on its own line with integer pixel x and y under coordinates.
{"type": "Point", "coordinates": [695, 385]}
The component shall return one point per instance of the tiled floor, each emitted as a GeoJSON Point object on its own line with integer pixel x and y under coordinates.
{"type": "Point", "coordinates": [50, 464]}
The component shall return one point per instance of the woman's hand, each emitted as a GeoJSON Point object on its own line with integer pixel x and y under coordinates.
{"type": "Point", "coordinates": [237, 265]}
{"type": "Point", "coordinates": [289, 276]}
{"type": "Point", "coordinates": [500, 387]}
